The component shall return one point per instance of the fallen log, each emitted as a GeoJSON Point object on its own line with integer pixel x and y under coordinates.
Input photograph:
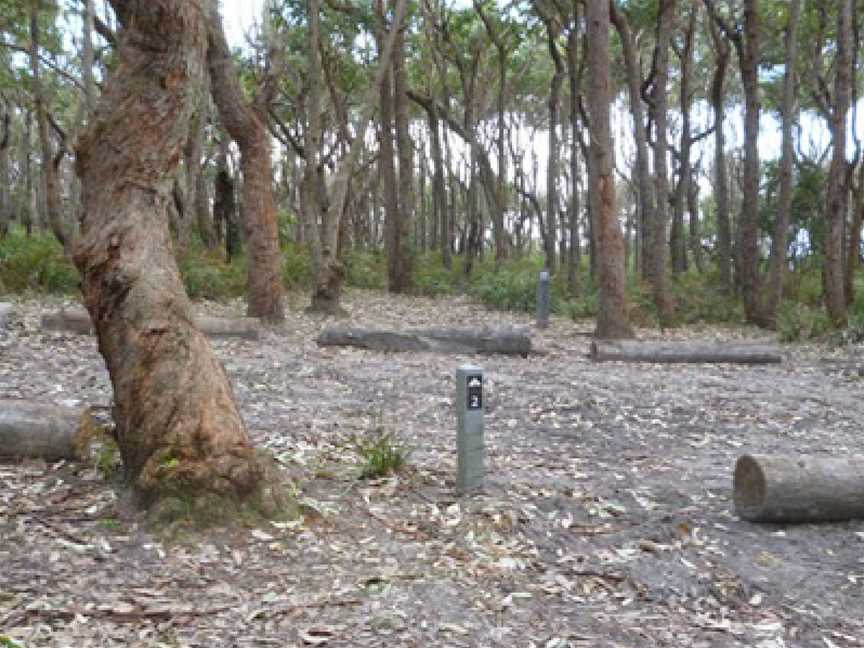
{"type": "Point", "coordinates": [78, 321]}
{"type": "Point", "coordinates": [669, 352]}
{"type": "Point", "coordinates": [37, 430]}
{"type": "Point", "coordinates": [484, 341]}
{"type": "Point", "coordinates": [798, 488]}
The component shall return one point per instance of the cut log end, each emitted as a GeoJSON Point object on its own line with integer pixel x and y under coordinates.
{"type": "Point", "coordinates": [749, 488]}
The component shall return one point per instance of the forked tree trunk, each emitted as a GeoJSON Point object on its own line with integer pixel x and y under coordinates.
{"type": "Point", "coordinates": [247, 125]}
{"type": "Point", "coordinates": [612, 316]}
{"type": "Point", "coordinates": [179, 430]}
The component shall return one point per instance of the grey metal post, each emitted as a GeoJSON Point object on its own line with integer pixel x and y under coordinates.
{"type": "Point", "coordinates": [469, 413]}
{"type": "Point", "coordinates": [543, 300]}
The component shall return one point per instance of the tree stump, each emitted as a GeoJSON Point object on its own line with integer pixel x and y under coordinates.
{"type": "Point", "coordinates": [798, 488]}
{"type": "Point", "coordinates": [501, 341]}
{"type": "Point", "coordinates": [679, 352]}
{"type": "Point", "coordinates": [77, 320]}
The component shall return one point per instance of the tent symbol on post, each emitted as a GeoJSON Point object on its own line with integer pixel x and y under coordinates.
{"type": "Point", "coordinates": [475, 392]}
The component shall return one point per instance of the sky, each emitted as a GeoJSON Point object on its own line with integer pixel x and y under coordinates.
{"type": "Point", "coordinates": [238, 17]}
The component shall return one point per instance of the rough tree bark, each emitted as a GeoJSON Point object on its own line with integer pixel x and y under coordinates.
{"type": "Point", "coordinates": [612, 316]}
{"type": "Point", "coordinates": [836, 193]}
{"type": "Point", "coordinates": [5, 194]}
{"type": "Point", "coordinates": [178, 427]}
{"type": "Point", "coordinates": [656, 230]}
{"type": "Point", "coordinates": [722, 52]}
{"type": "Point", "coordinates": [246, 122]}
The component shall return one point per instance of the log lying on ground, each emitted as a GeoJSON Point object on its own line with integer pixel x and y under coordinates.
{"type": "Point", "coordinates": [37, 430]}
{"type": "Point", "coordinates": [650, 351]}
{"type": "Point", "coordinates": [78, 321]}
{"type": "Point", "coordinates": [484, 341]}
{"type": "Point", "coordinates": [798, 488]}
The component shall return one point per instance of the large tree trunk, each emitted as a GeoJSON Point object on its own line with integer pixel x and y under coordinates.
{"type": "Point", "coordinates": [247, 125]}
{"type": "Point", "coordinates": [656, 254]}
{"type": "Point", "coordinates": [836, 194]}
{"type": "Point", "coordinates": [783, 489]}
{"type": "Point", "coordinates": [777, 260]}
{"type": "Point", "coordinates": [178, 427]}
{"type": "Point", "coordinates": [612, 316]}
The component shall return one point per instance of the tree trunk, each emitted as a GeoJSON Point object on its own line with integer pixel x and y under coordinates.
{"type": "Point", "coordinates": [647, 211]}
{"type": "Point", "coordinates": [553, 161]}
{"type": "Point", "coordinates": [247, 125]}
{"type": "Point", "coordinates": [853, 253]}
{"type": "Point", "coordinates": [748, 224]}
{"type": "Point", "coordinates": [224, 205]}
{"type": "Point", "coordinates": [5, 179]}
{"type": "Point", "coordinates": [836, 193]}
{"type": "Point", "coordinates": [722, 52]}
{"type": "Point", "coordinates": [405, 152]}
{"type": "Point", "coordinates": [678, 243]}
{"type": "Point", "coordinates": [788, 109]}
{"type": "Point", "coordinates": [785, 489]}
{"type": "Point", "coordinates": [574, 75]}
{"type": "Point", "coordinates": [612, 315]}
{"type": "Point", "coordinates": [50, 183]}
{"type": "Point", "coordinates": [178, 427]}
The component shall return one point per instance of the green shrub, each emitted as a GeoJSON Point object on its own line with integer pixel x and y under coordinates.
{"type": "Point", "coordinates": [35, 264]}
{"type": "Point", "coordinates": [206, 275]}
{"type": "Point", "coordinates": [431, 278]}
{"type": "Point", "coordinates": [297, 266]}
{"type": "Point", "coordinates": [799, 322]}
{"type": "Point", "coordinates": [366, 269]}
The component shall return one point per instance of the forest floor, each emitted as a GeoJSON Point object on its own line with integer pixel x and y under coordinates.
{"type": "Point", "coordinates": [606, 519]}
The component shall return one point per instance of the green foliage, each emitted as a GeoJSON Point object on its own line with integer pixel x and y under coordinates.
{"type": "Point", "coordinates": [297, 266]}
{"type": "Point", "coordinates": [513, 286]}
{"type": "Point", "coordinates": [35, 264]}
{"type": "Point", "coordinates": [380, 451]}
{"type": "Point", "coordinates": [8, 642]}
{"type": "Point", "coordinates": [699, 299]}
{"type": "Point", "coordinates": [800, 322]}
{"type": "Point", "coordinates": [206, 275]}
{"type": "Point", "coordinates": [431, 278]}
{"type": "Point", "coordinates": [366, 269]}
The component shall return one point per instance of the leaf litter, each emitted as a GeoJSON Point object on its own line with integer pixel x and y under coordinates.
{"type": "Point", "coordinates": [605, 519]}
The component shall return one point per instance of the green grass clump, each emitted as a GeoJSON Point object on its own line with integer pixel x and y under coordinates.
{"type": "Point", "coordinates": [297, 266]}
{"type": "Point", "coordinates": [206, 274]}
{"type": "Point", "coordinates": [512, 286]}
{"type": "Point", "coordinates": [432, 278]}
{"type": "Point", "coordinates": [380, 452]}
{"type": "Point", "coordinates": [35, 264]}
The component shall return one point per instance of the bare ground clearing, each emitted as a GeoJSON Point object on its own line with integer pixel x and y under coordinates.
{"type": "Point", "coordinates": [606, 521]}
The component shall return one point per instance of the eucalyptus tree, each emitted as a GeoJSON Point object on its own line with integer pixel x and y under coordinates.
{"type": "Point", "coordinates": [179, 430]}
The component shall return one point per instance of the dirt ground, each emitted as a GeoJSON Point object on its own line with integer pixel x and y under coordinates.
{"type": "Point", "coordinates": [606, 519]}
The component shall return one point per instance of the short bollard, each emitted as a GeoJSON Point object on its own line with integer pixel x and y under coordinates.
{"type": "Point", "coordinates": [469, 413]}
{"type": "Point", "coordinates": [543, 300]}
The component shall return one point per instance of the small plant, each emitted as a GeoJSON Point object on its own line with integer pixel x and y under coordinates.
{"type": "Point", "coordinates": [798, 322]}
{"type": "Point", "coordinates": [381, 453]}
{"type": "Point", "coordinates": [9, 642]}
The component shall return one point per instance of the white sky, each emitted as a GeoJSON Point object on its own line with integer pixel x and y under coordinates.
{"type": "Point", "coordinates": [239, 16]}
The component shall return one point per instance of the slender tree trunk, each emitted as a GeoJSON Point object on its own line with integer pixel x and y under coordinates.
{"type": "Point", "coordinates": [678, 243]}
{"type": "Point", "coordinates": [656, 263]}
{"type": "Point", "coordinates": [612, 316]}
{"type": "Point", "coordinates": [224, 203]}
{"type": "Point", "coordinates": [575, 80]}
{"type": "Point", "coordinates": [50, 182]}
{"type": "Point", "coordinates": [788, 109]}
{"type": "Point", "coordinates": [29, 209]}
{"type": "Point", "coordinates": [405, 152]}
{"type": "Point", "coordinates": [178, 427]}
{"type": "Point", "coordinates": [721, 183]}
{"type": "Point", "coordinates": [87, 57]}
{"type": "Point", "coordinates": [695, 229]}
{"type": "Point", "coordinates": [5, 180]}
{"type": "Point", "coordinates": [246, 124]}
{"type": "Point", "coordinates": [836, 194]}
{"type": "Point", "coordinates": [647, 211]}
{"type": "Point", "coordinates": [553, 161]}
